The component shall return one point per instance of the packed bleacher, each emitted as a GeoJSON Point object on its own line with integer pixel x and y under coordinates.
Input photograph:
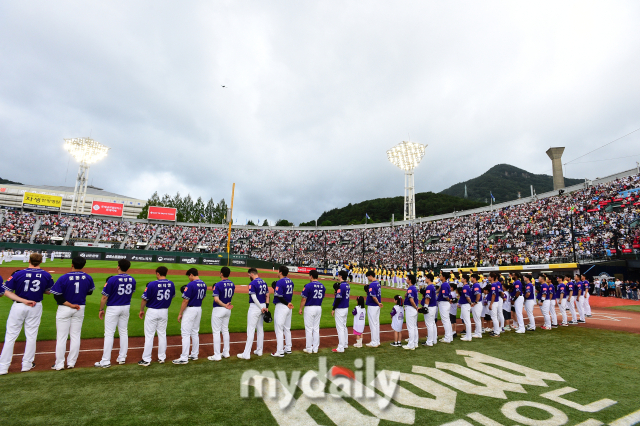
{"type": "Point", "coordinates": [535, 232]}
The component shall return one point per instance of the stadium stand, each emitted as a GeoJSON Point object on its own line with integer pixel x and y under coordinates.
{"type": "Point", "coordinates": [605, 218]}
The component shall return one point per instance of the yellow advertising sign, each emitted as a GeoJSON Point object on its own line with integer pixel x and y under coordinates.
{"type": "Point", "coordinates": [42, 201]}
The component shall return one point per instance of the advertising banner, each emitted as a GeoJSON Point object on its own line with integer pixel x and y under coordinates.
{"type": "Point", "coordinates": [305, 270]}
{"type": "Point", "coordinates": [161, 213]}
{"type": "Point", "coordinates": [166, 259]}
{"type": "Point", "coordinates": [59, 254]}
{"type": "Point", "coordinates": [189, 260]}
{"type": "Point", "coordinates": [90, 255]}
{"type": "Point", "coordinates": [103, 208]}
{"type": "Point", "coordinates": [41, 201]}
{"type": "Point", "coordinates": [115, 256]}
{"type": "Point", "coordinates": [239, 262]}
{"type": "Point", "coordinates": [139, 258]}
{"type": "Point", "coordinates": [209, 261]}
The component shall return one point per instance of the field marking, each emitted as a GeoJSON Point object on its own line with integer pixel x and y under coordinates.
{"type": "Point", "coordinates": [628, 420]}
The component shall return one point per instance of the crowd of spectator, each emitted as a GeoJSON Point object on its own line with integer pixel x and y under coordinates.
{"type": "Point", "coordinates": [595, 221]}
{"type": "Point", "coordinates": [615, 287]}
{"type": "Point", "coordinates": [52, 226]}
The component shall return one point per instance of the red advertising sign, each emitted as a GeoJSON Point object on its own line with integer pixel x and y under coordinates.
{"type": "Point", "coordinates": [103, 208]}
{"type": "Point", "coordinates": [161, 213]}
{"type": "Point", "coordinates": [627, 251]}
{"type": "Point", "coordinates": [305, 270]}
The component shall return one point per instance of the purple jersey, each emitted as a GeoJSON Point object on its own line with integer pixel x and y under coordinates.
{"type": "Point", "coordinates": [283, 292]}
{"type": "Point", "coordinates": [528, 289]}
{"type": "Point", "coordinates": [119, 290]}
{"type": "Point", "coordinates": [571, 289]}
{"type": "Point", "coordinates": [260, 289]}
{"type": "Point", "coordinates": [374, 291]}
{"type": "Point", "coordinates": [552, 292]}
{"type": "Point", "coordinates": [343, 294]}
{"type": "Point", "coordinates": [30, 284]}
{"type": "Point", "coordinates": [412, 293]}
{"type": "Point", "coordinates": [561, 290]}
{"type": "Point", "coordinates": [477, 291]}
{"type": "Point", "coordinates": [196, 291]}
{"type": "Point", "coordinates": [158, 294]}
{"type": "Point", "coordinates": [544, 292]}
{"type": "Point", "coordinates": [74, 286]}
{"type": "Point", "coordinates": [494, 290]}
{"type": "Point", "coordinates": [430, 292]}
{"type": "Point", "coordinates": [464, 293]}
{"type": "Point", "coordinates": [314, 293]}
{"type": "Point", "coordinates": [517, 288]}
{"type": "Point", "coordinates": [224, 291]}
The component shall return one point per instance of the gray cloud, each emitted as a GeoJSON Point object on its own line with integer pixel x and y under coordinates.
{"type": "Point", "coordinates": [316, 93]}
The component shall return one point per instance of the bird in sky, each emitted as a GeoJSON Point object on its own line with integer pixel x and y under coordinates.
{"type": "Point", "coordinates": [224, 86]}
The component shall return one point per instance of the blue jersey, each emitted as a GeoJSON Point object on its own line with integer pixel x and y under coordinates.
{"type": "Point", "coordinates": [517, 287]}
{"type": "Point", "coordinates": [374, 291]}
{"type": "Point", "coordinates": [544, 292]}
{"type": "Point", "coordinates": [477, 290]}
{"type": "Point", "coordinates": [260, 289]}
{"type": "Point", "coordinates": [30, 284]}
{"type": "Point", "coordinates": [119, 290]}
{"type": "Point", "coordinates": [444, 292]}
{"type": "Point", "coordinates": [343, 294]}
{"type": "Point", "coordinates": [430, 292]}
{"type": "Point", "coordinates": [552, 292]}
{"type": "Point", "coordinates": [224, 291]}
{"type": "Point", "coordinates": [464, 293]}
{"type": "Point", "coordinates": [412, 293]}
{"type": "Point", "coordinates": [158, 294]}
{"type": "Point", "coordinates": [581, 287]}
{"type": "Point", "coordinates": [561, 290]}
{"type": "Point", "coordinates": [74, 286]}
{"type": "Point", "coordinates": [314, 293]}
{"type": "Point", "coordinates": [585, 287]}
{"type": "Point", "coordinates": [196, 291]}
{"type": "Point", "coordinates": [494, 290]}
{"type": "Point", "coordinates": [571, 289]}
{"type": "Point", "coordinates": [283, 292]}
{"type": "Point", "coordinates": [1, 287]}
{"type": "Point", "coordinates": [529, 289]}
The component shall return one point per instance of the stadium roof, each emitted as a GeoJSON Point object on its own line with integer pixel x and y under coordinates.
{"type": "Point", "coordinates": [69, 189]}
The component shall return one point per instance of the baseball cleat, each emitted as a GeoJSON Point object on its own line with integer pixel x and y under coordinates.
{"type": "Point", "coordinates": [24, 370]}
{"type": "Point", "coordinates": [581, 321]}
{"type": "Point", "coordinates": [53, 367]}
{"type": "Point", "coordinates": [409, 348]}
{"type": "Point", "coordinates": [466, 340]}
{"type": "Point", "coordinates": [144, 363]}
{"type": "Point", "coordinates": [180, 362]}
{"type": "Point", "coordinates": [214, 358]}
{"type": "Point", "coordinates": [336, 350]}
{"type": "Point", "coordinates": [101, 365]}
{"type": "Point", "coordinates": [564, 325]}
{"type": "Point", "coordinates": [287, 352]}
{"type": "Point", "coordinates": [257, 353]}
{"type": "Point", "coordinates": [241, 356]}
{"type": "Point", "coordinates": [477, 336]}
{"type": "Point", "coordinates": [120, 361]}
{"type": "Point", "coordinates": [161, 361]}
{"type": "Point", "coordinates": [193, 358]}
{"type": "Point", "coordinates": [277, 355]}
{"type": "Point", "coordinates": [70, 367]}
{"type": "Point", "coordinates": [308, 351]}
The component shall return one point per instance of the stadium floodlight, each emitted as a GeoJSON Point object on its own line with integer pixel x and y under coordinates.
{"type": "Point", "coordinates": [86, 151]}
{"type": "Point", "coordinates": [407, 156]}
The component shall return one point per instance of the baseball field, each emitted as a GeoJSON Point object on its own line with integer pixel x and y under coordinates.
{"type": "Point", "coordinates": [569, 375]}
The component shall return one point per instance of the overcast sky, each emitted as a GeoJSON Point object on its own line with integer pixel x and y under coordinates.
{"type": "Point", "coordinates": [316, 92]}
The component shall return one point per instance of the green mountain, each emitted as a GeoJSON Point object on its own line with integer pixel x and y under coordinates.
{"type": "Point", "coordinates": [505, 181]}
{"type": "Point", "coordinates": [9, 182]}
{"type": "Point", "coordinates": [381, 209]}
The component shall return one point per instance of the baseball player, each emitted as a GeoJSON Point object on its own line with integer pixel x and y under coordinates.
{"type": "Point", "coordinates": [552, 303]}
{"type": "Point", "coordinates": [374, 304]}
{"type": "Point", "coordinates": [282, 296]}
{"type": "Point", "coordinates": [157, 299]}
{"type": "Point", "coordinates": [580, 299]}
{"type": "Point", "coordinates": [494, 305]}
{"type": "Point", "coordinates": [529, 302]}
{"type": "Point", "coordinates": [26, 288]}
{"type": "Point", "coordinates": [190, 315]}
{"type": "Point", "coordinates": [312, 296]}
{"type": "Point", "coordinates": [222, 294]}
{"type": "Point", "coordinates": [572, 293]}
{"type": "Point", "coordinates": [258, 305]}
{"type": "Point", "coordinates": [411, 313]}
{"type": "Point", "coordinates": [71, 291]}
{"type": "Point", "coordinates": [116, 294]}
{"type": "Point", "coordinates": [561, 300]}
{"type": "Point", "coordinates": [543, 301]}
{"type": "Point", "coordinates": [339, 312]}
{"type": "Point", "coordinates": [429, 301]}
{"type": "Point", "coordinates": [517, 296]}
{"type": "Point", "coordinates": [587, 306]}
{"type": "Point", "coordinates": [465, 302]}
{"type": "Point", "coordinates": [444, 307]}
{"type": "Point", "coordinates": [501, 301]}
{"type": "Point", "coordinates": [476, 306]}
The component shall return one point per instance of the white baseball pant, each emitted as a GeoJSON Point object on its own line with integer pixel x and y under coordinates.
{"type": "Point", "coordinates": [373, 313]}
{"type": "Point", "coordinates": [465, 314]}
{"type": "Point", "coordinates": [445, 307]}
{"type": "Point", "coordinates": [68, 322]}
{"type": "Point", "coordinates": [254, 322]}
{"type": "Point", "coordinates": [312, 316]}
{"type": "Point", "coordinates": [115, 316]}
{"type": "Point", "coordinates": [220, 323]}
{"type": "Point", "coordinates": [500, 313]}
{"type": "Point", "coordinates": [544, 308]}
{"type": "Point", "coordinates": [477, 319]}
{"type": "Point", "coordinates": [495, 307]}
{"type": "Point", "coordinates": [563, 310]}
{"type": "Point", "coordinates": [19, 315]}
{"type": "Point", "coordinates": [430, 320]}
{"type": "Point", "coordinates": [580, 304]}
{"type": "Point", "coordinates": [572, 308]}
{"type": "Point", "coordinates": [155, 321]}
{"type": "Point", "coordinates": [552, 312]}
{"type": "Point", "coordinates": [528, 306]}
{"type": "Point", "coordinates": [341, 326]}
{"type": "Point", "coordinates": [282, 326]}
{"type": "Point", "coordinates": [190, 329]}
{"type": "Point", "coordinates": [411, 317]}
{"type": "Point", "coordinates": [518, 305]}
{"type": "Point", "coordinates": [587, 306]}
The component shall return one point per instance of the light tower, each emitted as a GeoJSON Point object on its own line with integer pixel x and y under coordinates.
{"type": "Point", "coordinates": [407, 156]}
{"type": "Point", "coordinates": [86, 151]}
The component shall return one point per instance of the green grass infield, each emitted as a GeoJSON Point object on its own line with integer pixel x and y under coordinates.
{"type": "Point", "coordinates": [570, 376]}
